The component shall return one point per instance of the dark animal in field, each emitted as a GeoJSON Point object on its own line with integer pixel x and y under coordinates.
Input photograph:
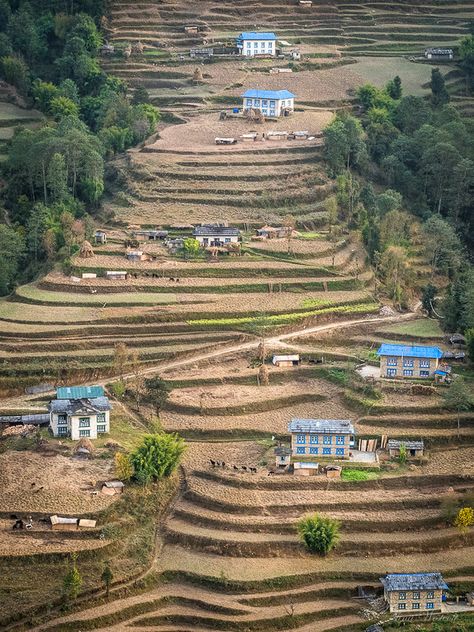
{"type": "Point", "coordinates": [13, 517]}
{"type": "Point", "coordinates": [253, 470]}
{"type": "Point", "coordinates": [235, 467]}
{"type": "Point", "coordinates": [19, 524]}
{"type": "Point", "coordinates": [213, 463]}
{"type": "Point", "coordinates": [223, 463]}
{"type": "Point", "coordinates": [244, 467]}
{"type": "Point", "coordinates": [32, 484]}
{"type": "Point", "coordinates": [271, 472]}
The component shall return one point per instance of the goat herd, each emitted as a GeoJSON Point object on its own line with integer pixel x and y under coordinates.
{"type": "Point", "coordinates": [236, 468]}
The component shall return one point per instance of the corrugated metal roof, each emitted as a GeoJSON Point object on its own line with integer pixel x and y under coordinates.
{"type": "Point", "coordinates": [286, 358]}
{"type": "Point", "coordinates": [321, 426]}
{"type": "Point", "coordinates": [302, 465]}
{"type": "Point", "coordinates": [253, 35]}
{"type": "Point", "coordinates": [79, 392]}
{"type": "Point", "coordinates": [394, 444]}
{"type": "Point", "coordinates": [282, 450]}
{"type": "Point", "coordinates": [71, 406]}
{"type": "Point", "coordinates": [268, 94]}
{"type": "Point", "coordinates": [114, 484]}
{"type": "Point", "coordinates": [199, 231]}
{"type": "Point", "coordinates": [409, 351]}
{"type": "Point", "coordinates": [39, 419]}
{"type": "Point", "coordinates": [414, 581]}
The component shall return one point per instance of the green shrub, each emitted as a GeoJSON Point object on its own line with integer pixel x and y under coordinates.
{"type": "Point", "coordinates": [320, 534]}
{"type": "Point", "coordinates": [357, 475]}
{"type": "Point", "coordinates": [157, 457]}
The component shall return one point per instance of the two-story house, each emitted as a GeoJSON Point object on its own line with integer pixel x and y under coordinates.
{"type": "Point", "coordinates": [216, 235]}
{"type": "Point", "coordinates": [79, 412]}
{"type": "Point", "coordinates": [412, 593]}
{"type": "Point", "coordinates": [321, 437]}
{"type": "Point", "coordinates": [403, 361]}
{"type": "Point", "coordinates": [251, 44]}
{"type": "Point", "coordinates": [270, 102]}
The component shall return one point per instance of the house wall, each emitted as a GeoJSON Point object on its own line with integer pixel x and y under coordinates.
{"type": "Point", "coordinates": [269, 107]}
{"type": "Point", "coordinates": [76, 430]}
{"type": "Point", "coordinates": [408, 367]}
{"type": "Point", "coordinates": [395, 452]}
{"type": "Point", "coordinates": [402, 602]}
{"type": "Point", "coordinates": [250, 48]}
{"type": "Point", "coordinates": [332, 445]}
{"type": "Point", "coordinates": [211, 240]}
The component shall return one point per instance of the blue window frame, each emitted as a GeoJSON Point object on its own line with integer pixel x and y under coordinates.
{"type": "Point", "coordinates": [300, 438]}
{"type": "Point", "coordinates": [429, 605]}
{"type": "Point", "coordinates": [340, 451]}
{"type": "Point", "coordinates": [313, 450]}
{"type": "Point", "coordinates": [408, 362]}
{"type": "Point", "coordinates": [408, 372]}
{"type": "Point", "coordinates": [340, 440]}
{"type": "Point", "coordinates": [391, 372]}
{"type": "Point", "coordinates": [264, 102]}
{"type": "Point", "coordinates": [272, 104]}
{"type": "Point", "coordinates": [300, 450]}
{"type": "Point", "coordinates": [327, 439]}
{"type": "Point", "coordinates": [313, 439]}
{"type": "Point", "coordinates": [392, 361]}
{"type": "Point", "coordinates": [424, 364]}
{"type": "Point", "coordinates": [326, 450]}
{"type": "Point", "coordinates": [256, 102]}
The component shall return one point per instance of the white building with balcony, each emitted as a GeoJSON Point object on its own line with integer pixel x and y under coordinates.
{"type": "Point", "coordinates": [251, 44]}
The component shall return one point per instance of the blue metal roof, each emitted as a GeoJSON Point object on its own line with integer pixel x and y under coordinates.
{"type": "Point", "coordinates": [268, 94]}
{"type": "Point", "coordinates": [79, 392]}
{"type": "Point", "coordinates": [252, 35]}
{"type": "Point", "coordinates": [414, 581]}
{"type": "Point", "coordinates": [408, 351]}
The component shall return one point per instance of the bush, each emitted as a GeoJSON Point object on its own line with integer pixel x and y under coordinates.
{"type": "Point", "coordinates": [320, 534]}
{"type": "Point", "coordinates": [157, 457]}
{"type": "Point", "coordinates": [123, 467]}
{"type": "Point", "coordinates": [464, 518]}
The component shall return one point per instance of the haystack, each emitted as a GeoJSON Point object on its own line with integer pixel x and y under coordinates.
{"type": "Point", "coordinates": [127, 51]}
{"type": "Point", "coordinates": [138, 48]}
{"type": "Point", "coordinates": [86, 251]}
{"type": "Point", "coordinates": [197, 76]}
{"type": "Point", "coordinates": [83, 445]}
{"type": "Point", "coordinates": [263, 375]}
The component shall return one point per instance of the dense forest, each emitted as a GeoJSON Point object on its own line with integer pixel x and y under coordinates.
{"type": "Point", "coordinates": [54, 174]}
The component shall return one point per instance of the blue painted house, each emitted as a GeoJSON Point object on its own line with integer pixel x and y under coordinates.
{"type": "Point", "coordinates": [270, 102]}
{"type": "Point", "coordinates": [408, 361]}
{"type": "Point", "coordinates": [321, 437]}
{"type": "Point", "coordinates": [251, 44]}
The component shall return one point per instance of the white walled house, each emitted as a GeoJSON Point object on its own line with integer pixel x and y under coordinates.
{"type": "Point", "coordinates": [251, 44]}
{"type": "Point", "coordinates": [269, 102]}
{"type": "Point", "coordinates": [216, 235]}
{"type": "Point", "coordinates": [85, 413]}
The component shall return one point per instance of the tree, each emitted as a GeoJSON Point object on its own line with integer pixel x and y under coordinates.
{"type": "Point", "coordinates": [466, 54]}
{"type": "Point", "coordinates": [469, 333]}
{"type": "Point", "coordinates": [12, 248]}
{"type": "Point", "coordinates": [123, 466]}
{"type": "Point", "coordinates": [72, 581]}
{"type": "Point", "coordinates": [191, 247]}
{"type": "Point", "coordinates": [442, 245]}
{"type": "Point", "coordinates": [427, 298]}
{"type": "Point", "coordinates": [63, 106]}
{"type": "Point", "coordinates": [411, 113]}
{"type": "Point", "coordinates": [157, 457]}
{"type": "Point", "coordinates": [15, 71]}
{"type": "Point", "coordinates": [396, 274]}
{"type": "Point", "coordinates": [320, 534]}
{"type": "Point", "coordinates": [439, 94]}
{"type": "Point", "coordinates": [394, 88]}
{"type": "Point", "coordinates": [121, 359]}
{"type": "Point", "coordinates": [140, 95]}
{"type": "Point", "coordinates": [402, 454]}
{"type": "Point", "coordinates": [458, 398]}
{"type": "Point", "coordinates": [263, 375]}
{"type": "Point", "coordinates": [107, 578]}
{"type": "Point", "coordinates": [157, 392]}
{"type": "Point", "coordinates": [343, 143]}
{"type": "Point", "coordinates": [57, 178]}
{"type": "Point", "coordinates": [289, 222]}
{"type": "Point", "coordinates": [36, 228]}
{"type": "Point", "coordinates": [464, 518]}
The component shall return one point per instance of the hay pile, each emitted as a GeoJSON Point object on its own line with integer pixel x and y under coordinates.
{"type": "Point", "coordinates": [86, 251]}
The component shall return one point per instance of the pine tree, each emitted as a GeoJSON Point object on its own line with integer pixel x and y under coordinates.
{"type": "Point", "coordinates": [72, 581]}
{"type": "Point", "coordinates": [439, 94]}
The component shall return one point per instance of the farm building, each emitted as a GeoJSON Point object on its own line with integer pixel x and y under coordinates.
{"type": "Point", "coordinates": [282, 455]}
{"type": "Point", "coordinates": [134, 255]}
{"type": "Point", "coordinates": [271, 232]}
{"type": "Point", "coordinates": [149, 235]}
{"type": "Point", "coordinates": [79, 411]}
{"type": "Point", "coordinates": [408, 361]}
{"type": "Point", "coordinates": [216, 235]}
{"type": "Point", "coordinates": [321, 437]}
{"type": "Point", "coordinates": [71, 524]}
{"type": "Point", "coordinates": [116, 275]}
{"type": "Point", "coordinates": [100, 237]}
{"type": "Point", "coordinates": [301, 468]}
{"type": "Point", "coordinates": [414, 592]}
{"type": "Point", "coordinates": [251, 44]}
{"type": "Point", "coordinates": [414, 448]}
{"type": "Point", "coordinates": [440, 54]}
{"type": "Point", "coordinates": [112, 488]}
{"type": "Point", "coordinates": [333, 471]}
{"type": "Point", "coordinates": [286, 360]}
{"type": "Point", "coordinates": [269, 102]}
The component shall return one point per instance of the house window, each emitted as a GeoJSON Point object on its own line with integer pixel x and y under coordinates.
{"type": "Point", "coordinates": [416, 595]}
{"type": "Point", "coordinates": [272, 112]}
{"type": "Point", "coordinates": [340, 451]}
{"type": "Point", "coordinates": [249, 103]}
{"type": "Point", "coordinates": [430, 594]}
{"type": "Point", "coordinates": [84, 433]}
{"type": "Point", "coordinates": [415, 606]}
{"type": "Point", "coordinates": [84, 422]}
{"type": "Point", "coordinates": [300, 450]}
{"type": "Point", "coordinates": [101, 418]}
{"type": "Point", "coordinates": [313, 450]}
{"type": "Point", "coordinates": [272, 104]}
{"type": "Point", "coordinates": [340, 440]}
{"type": "Point", "coordinates": [327, 439]}
{"type": "Point", "coordinates": [402, 606]}
{"type": "Point", "coordinates": [408, 362]}
{"type": "Point", "coordinates": [62, 431]}
{"type": "Point", "coordinates": [429, 605]}
{"type": "Point", "coordinates": [313, 439]}
{"type": "Point", "coordinates": [424, 364]}
{"type": "Point", "coordinates": [264, 103]}
{"type": "Point", "coordinates": [257, 102]}
{"type": "Point", "coordinates": [392, 361]}
{"type": "Point", "coordinates": [326, 450]}
{"type": "Point", "coordinates": [408, 372]}
{"type": "Point", "coordinates": [391, 372]}
{"type": "Point", "coordinates": [402, 595]}
{"type": "Point", "coordinates": [100, 427]}
{"type": "Point", "coordinates": [62, 420]}
{"type": "Point", "coordinates": [424, 374]}
{"type": "Point", "coordinates": [300, 438]}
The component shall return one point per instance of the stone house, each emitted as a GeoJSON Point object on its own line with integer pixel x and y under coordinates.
{"type": "Point", "coordinates": [321, 437]}
{"type": "Point", "coordinates": [79, 412]}
{"type": "Point", "coordinates": [403, 361]}
{"type": "Point", "coordinates": [412, 593]}
{"type": "Point", "coordinates": [282, 455]}
{"type": "Point", "coordinates": [414, 448]}
{"type": "Point", "coordinates": [252, 44]}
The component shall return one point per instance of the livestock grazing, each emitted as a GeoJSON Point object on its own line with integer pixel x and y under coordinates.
{"type": "Point", "coordinates": [171, 279]}
{"type": "Point", "coordinates": [213, 463]}
{"type": "Point", "coordinates": [33, 484]}
{"type": "Point", "coordinates": [235, 468]}
{"type": "Point", "coordinates": [253, 470]}
{"type": "Point", "coordinates": [244, 467]}
{"type": "Point", "coordinates": [271, 472]}
{"type": "Point", "coordinates": [223, 463]}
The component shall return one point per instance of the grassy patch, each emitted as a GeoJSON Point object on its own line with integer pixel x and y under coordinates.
{"type": "Point", "coordinates": [423, 328]}
{"type": "Point", "coordinates": [358, 475]}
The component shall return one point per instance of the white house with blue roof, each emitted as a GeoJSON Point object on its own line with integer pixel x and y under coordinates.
{"type": "Point", "coordinates": [406, 361]}
{"type": "Point", "coordinates": [251, 44]}
{"type": "Point", "coordinates": [321, 437]}
{"type": "Point", "coordinates": [79, 412]}
{"type": "Point", "coordinates": [269, 102]}
{"type": "Point", "coordinates": [414, 593]}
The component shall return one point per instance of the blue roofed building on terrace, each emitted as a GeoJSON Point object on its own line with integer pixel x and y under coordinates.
{"type": "Point", "coordinates": [403, 361]}
{"type": "Point", "coordinates": [332, 438]}
{"type": "Point", "coordinates": [252, 44]}
{"type": "Point", "coordinates": [79, 412]}
{"type": "Point", "coordinates": [269, 102]}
